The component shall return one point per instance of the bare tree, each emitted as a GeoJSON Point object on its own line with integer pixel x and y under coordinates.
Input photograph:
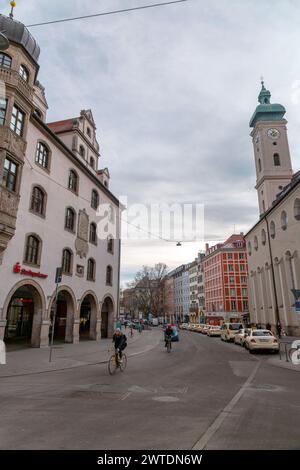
{"type": "Point", "coordinates": [147, 289]}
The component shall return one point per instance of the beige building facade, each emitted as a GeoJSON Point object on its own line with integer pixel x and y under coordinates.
{"type": "Point", "coordinates": [56, 210]}
{"type": "Point", "coordinates": [273, 244]}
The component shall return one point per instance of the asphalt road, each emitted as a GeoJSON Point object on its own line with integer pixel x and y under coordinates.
{"type": "Point", "coordinates": [205, 394]}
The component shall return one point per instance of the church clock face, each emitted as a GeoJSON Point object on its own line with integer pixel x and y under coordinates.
{"type": "Point", "coordinates": [273, 133]}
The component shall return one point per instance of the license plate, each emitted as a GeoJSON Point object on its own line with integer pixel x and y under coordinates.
{"type": "Point", "coordinates": [264, 340]}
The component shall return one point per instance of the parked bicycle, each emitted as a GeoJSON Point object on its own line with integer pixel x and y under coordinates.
{"type": "Point", "coordinates": [117, 362]}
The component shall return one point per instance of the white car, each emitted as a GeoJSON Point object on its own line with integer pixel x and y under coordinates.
{"type": "Point", "coordinates": [229, 330]}
{"type": "Point", "coordinates": [240, 336]}
{"type": "Point", "coordinates": [214, 330]}
{"type": "Point", "coordinates": [261, 340]}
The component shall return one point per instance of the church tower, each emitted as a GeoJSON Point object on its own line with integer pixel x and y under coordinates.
{"type": "Point", "coordinates": [271, 150]}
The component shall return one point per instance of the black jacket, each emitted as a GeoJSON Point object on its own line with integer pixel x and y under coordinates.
{"type": "Point", "coordinates": [120, 341]}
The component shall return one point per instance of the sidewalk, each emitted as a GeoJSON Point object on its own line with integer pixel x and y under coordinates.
{"type": "Point", "coordinates": [283, 363]}
{"type": "Point", "coordinates": [66, 356]}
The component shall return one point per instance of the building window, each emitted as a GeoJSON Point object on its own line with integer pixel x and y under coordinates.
{"type": "Point", "coordinates": [88, 131]}
{"type": "Point", "coordinates": [242, 267]}
{"type": "Point", "coordinates": [255, 243]}
{"type": "Point", "coordinates": [91, 268]}
{"type": "Point", "coordinates": [264, 206]}
{"type": "Point", "coordinates": [81, 151]}
{"type": "Point", "coordinates": [95, 199]}
{"type": "Point", "coordinates": [231, 268]}
{"type": "Point", "coordinates": [42, 155]}
{"type": "Point", "coordinates": [109, 276]}
{"type": "Point", "coordinates": [32, 250]}
{"type": "Point", "coordinates": [73, 181]}
{"type": "Point", "coordinates": [249, 248]}
{"type": "Point", "coordinates": [67, 261]}
{"type": "Point", "coordinates": [17, 120]}
{"type": "Point", "coordinates": [297, 209]}
{"type": "Point", "coordinates": [229, 256]}
{"type": "Point", "coordinates": [233, 306]}
{"type": "Point", "coordinates": [231, 280]}
{"type": "Point", "coordinates": [259, 165]}
{"type": "Point", "coordinates": [272, 229]}
{"type": "Point", "coordinates": [10, 174]}
{"type": "Point", "coordinates": [70, 219]}
{"type": "Point", "coordinates": [92, 162]}
{"type": "Point", "coordinates": [245, 305]}
{"type": "Point", "coordinates": [276, 159]}
{"type": "Point", "coordinates": [110, 245]}
{"type": "Point", "coordinates": [232, 292]}
{"type": "Point", "coordinates": [37, 204]}
{"type": "Point", "coordinates": [243, 280]}
{"type": "Point", "coordinates": [241, 256]}
{"type": "Point", "coordinates": [23, 71]}
{"type": "Point", "coordinates": [38, 113]}
{"type": "Point", "coordinates": [93, 233]}
{"type": "Point", "coordinates": [284, 220]}
{"type": "Point", "coordinates": [244, 292]}
{"type": "Point", "coordinates": [3, 106]}
{"type": "Point", "coordinates": [263, 237]}
{"type": "Point", "coordinates": [5, 61]}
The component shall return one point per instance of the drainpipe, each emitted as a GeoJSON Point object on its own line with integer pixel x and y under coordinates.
{"type": "Point", "coordinates": [273, 273]}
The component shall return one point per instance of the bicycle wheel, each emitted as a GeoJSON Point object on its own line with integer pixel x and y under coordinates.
{"type": "Point", "coordinates": [123, 364]}
{"type": "Point", "coordinates": [112, 365]}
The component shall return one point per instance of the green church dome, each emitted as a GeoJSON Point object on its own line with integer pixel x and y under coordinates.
{"type": "Point", "coordinates": [266, 111]}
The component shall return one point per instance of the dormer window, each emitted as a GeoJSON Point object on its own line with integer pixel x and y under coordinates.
{"type": "Point", "coordinates": [88, 131]}
{"type": "Point", "coordinates": [23, 71]}
{"type": "Point", "coordinates": [92, 162]}
{"type": "Point", "coordinates": [5, 61]}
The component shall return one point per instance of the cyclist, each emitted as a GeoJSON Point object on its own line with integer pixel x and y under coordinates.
{"type": "Point", "coordinates": [120, 342]}
{"type": "Point", "coordinates": [168, 334]}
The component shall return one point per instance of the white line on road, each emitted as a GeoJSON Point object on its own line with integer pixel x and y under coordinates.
{"type": "Point", "coordinates": [213, 428]}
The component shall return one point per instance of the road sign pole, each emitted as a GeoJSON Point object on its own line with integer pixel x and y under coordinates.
{"type": "Point", "coordinates": [57, 280]}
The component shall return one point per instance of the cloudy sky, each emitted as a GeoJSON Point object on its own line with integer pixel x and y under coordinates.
{"type": "Point", "coordinates": [172, 90]}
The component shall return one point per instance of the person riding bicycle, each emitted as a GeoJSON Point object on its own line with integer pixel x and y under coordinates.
{"type": "Point", "coordinates": [168, 334]}
{"type": "Point", "coordinates": [120, 341]}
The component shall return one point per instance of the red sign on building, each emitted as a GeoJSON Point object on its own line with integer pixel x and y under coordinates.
{"type": "Point", "coordinates": [27, 272]}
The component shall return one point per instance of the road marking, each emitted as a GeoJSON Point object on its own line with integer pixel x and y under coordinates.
{"type": "Point", "coordinates": [213, 428]}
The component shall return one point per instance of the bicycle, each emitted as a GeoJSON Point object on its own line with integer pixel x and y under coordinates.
{"type": "Point", "coordinates": [116, 362]}
{"type": "Point", "coordinates": [168, 343]}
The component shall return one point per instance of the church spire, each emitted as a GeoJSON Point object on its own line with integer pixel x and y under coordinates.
{"type": "Point", "coordinates": [265, 95]}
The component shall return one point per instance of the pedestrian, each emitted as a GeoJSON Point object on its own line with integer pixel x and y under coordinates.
{"type": "Point", "coordinates": [125, 324]}
{"type": "Point", "coordinates": [140, 328]}
{"type": "Point", "coordinates": [268, 326]}
{"type": "Point", "coordinates": [279, 329]}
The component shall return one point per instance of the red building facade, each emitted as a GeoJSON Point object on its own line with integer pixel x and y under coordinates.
{"type": "Point", "coordinates": [226, 279]}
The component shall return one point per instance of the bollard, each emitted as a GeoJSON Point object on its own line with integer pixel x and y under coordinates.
{"type": "Point", "coordinates": [286, 354]}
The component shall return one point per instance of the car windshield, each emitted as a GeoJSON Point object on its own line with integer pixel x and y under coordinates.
{"type": "Point", "coordinates": [235, 326]}
{"type": "Point", "coordinates": [262, 333]}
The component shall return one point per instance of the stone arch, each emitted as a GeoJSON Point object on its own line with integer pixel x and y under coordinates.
{"type": "Point", "coordinates": [67, 314]}
{"type": "Point", "coordinates": [107, 316]}
{"type": "Point", "coordinates": [39, 307]}
{"type": "Point", "coordinates": [92, 316]}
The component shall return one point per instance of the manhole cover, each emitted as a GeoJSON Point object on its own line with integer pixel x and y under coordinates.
{"type": "Point", "coordinates": [166, 399]}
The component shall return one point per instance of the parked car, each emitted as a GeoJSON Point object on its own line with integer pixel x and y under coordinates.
{"type": "Point", "coordinates": [240, 336]}
{"type": "Point", "coordinates": [214, 330]}
{"type": "Point", "coordinates": [204, 329]}
{"type": "Point", "coordinates": [229, 330]}
{"type": "Point", "coordinates": [261, 340]}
